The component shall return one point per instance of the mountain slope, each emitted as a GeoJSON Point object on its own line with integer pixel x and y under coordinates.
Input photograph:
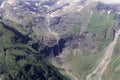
{"type": "Point", "coordinates": [19, 61]}
{"type": "Point", "coordinates": [72, 35]}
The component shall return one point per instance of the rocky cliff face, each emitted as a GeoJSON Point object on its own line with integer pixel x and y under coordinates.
{"type": "Point", "coordinates": [50, 18]}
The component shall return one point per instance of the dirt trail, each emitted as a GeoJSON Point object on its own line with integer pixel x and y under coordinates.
{"type": "Point", "coordinates": [98, 72]}
{"type": "Point", "coordinates": [70, 74]}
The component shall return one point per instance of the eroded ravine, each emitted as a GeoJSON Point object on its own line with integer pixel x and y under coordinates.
{"type": "Point", "coordinates": [98, 72]}
{"type": "Point", "coordinates": [56, 35]}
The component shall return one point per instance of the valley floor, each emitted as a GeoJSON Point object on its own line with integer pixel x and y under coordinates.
{"type": "Point", "coordinates": [98, 72]}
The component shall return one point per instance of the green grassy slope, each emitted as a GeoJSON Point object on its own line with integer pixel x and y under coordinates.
{"type": "Point", "coordinates": [113, 70]}
{"type": "Point", "coordinates": [101, 26]}
{"type": "Point", "coordinates": [83, 62]}
{"type": "Point", "coordinates": [18, 61]}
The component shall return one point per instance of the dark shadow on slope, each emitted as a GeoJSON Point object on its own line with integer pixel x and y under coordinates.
{"type": "Point", "coordinates": [55, 50]}
{"type": "Point", "coordinates": [22, 38]}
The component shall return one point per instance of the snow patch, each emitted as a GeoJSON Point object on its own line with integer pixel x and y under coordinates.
{"type": "Point", "coordinates": [108, 12]}
{"type": "Point", "coordinates": [2, 5]}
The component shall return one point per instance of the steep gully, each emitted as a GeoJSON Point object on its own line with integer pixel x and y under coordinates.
{"type": "Point", "coordinates": [56, 35]}
{"type": "Point", "coordinates": [98, 72]}
{"type": "Point", "coordinates": [58, 48]}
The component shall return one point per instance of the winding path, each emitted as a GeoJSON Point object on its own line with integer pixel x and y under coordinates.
{"type": "Point", "coordinates": [70, 74]}
{"type": "Point", "coordinates": [98, 72]}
